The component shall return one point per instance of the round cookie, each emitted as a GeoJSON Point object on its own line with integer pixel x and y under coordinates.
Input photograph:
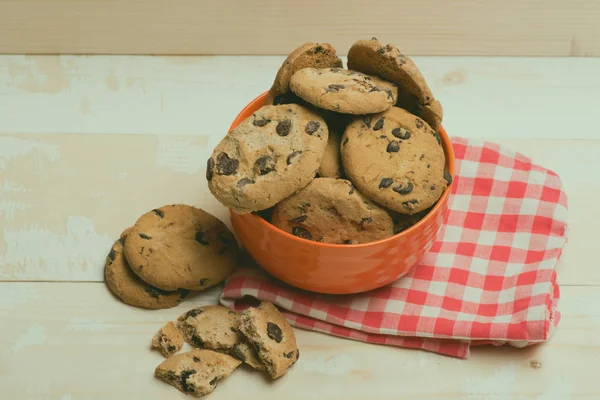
{"type": "Point", "coordinates": [332, 211]}
{"type": "Point", "coordinates": [128, 287]}
{"type": "Point", "coordinates": [395, 159]}
{"type": "Point", "coordinates": [316, 55]}
{"type": "Point", "coordinates": [331, 164]}
{"type": "Point", "coordinates": [343, 91]}
{"type": "Point", "coordinates": [389, 63]}
{"type": "Point", "coordinates": [268, 157]}
{"type": "Point", "coordinates": [181, 246]}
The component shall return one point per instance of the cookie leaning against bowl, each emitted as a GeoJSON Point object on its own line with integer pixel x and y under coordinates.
{"type": "Point", "coordinates": [181, 246]}
{"type": "Point", "coordinates": [317, 55]}
{"type": "Point", "coordinates": [344, 91]}
{"type": "Point", "coordinates": [389, 63]}
{"type": "Point", "coordinates": [268, 157]}
{"type": "Point", "coordinates": [129, 288]}
{"type": "Point", "coordinates": [395, 159]}
{"type": "Point", "coordinates": [332, 211]}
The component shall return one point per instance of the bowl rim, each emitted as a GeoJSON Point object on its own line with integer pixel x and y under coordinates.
{"type": "Point", "coordinates": [450, 164]}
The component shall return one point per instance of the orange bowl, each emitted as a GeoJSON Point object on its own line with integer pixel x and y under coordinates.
{"type": "Point", "coordinates": [336, 268]}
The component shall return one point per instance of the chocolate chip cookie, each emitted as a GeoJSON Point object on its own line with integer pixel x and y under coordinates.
{"type": "Point", "coordinates": [331, 164]}
{"type": "Point", "coordinates": [217, 328]}
{"type": "Point", "coordinates": [271, 334]}
{"type": "Point", "coordinates": [396, 159]}
{"type": "Point", "coordinates": [316, 55]}
{"type": "Point", "coordinates": [130, 289]}
{"type": "Point", "coordinates": [389, 63]}
{"type": "Point", "coordinates": [168, 340]}
{"type": "Point", "coordinates": [181, 246]}
{"type": "Point", "coordinates": [268, 157]}
{"type": "Point", "coordinates": [343, 91]}
{"type": "Point", "coordinates": [332, 211]}
{"type": "Point", "coordinates": [196, 372]}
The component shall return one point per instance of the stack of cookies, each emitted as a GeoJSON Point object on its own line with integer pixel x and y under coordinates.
{"type": "Point", "coordinates": [260, 337]}
{"type": "Point", "coordinates": [168, 255]}
{"type": "Point", "coordinates": [337, 155]}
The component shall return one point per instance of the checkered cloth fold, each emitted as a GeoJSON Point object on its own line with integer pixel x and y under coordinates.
{"type": "Point", "coordinates": [489, 277]}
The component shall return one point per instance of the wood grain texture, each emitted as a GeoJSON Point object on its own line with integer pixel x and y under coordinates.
{"type": "Point", "coordinates": [81, 343]}
{"type": "Point", "coordinates": [434, 27]}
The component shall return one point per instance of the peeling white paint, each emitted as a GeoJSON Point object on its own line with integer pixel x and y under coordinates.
{"type": "Point", "coordinates": [332, 365]}
{"type": "Point", "coordinates": [44, 253]}
{"type": "Point", "coordinates": [12, 148]}
{"type": "Point", "coordinates": [86, 325]}
{"type": "Point", "coordinates": [180, 155]}
{"type": "Point", "coordinates": [34, 336]}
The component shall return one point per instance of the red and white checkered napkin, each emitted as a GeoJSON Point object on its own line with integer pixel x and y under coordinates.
{"type": "Point", "coordinates": [489, 278]}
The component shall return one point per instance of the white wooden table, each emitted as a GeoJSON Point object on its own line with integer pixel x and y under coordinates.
{"type": "Point", "coordinates": [87, 144]}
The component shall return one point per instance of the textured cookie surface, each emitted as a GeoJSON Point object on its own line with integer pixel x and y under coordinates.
{"type": "Point", "coordinates": [217, 328]}
{"type": "Point", "coordinates": [271, 334]}
{"type": "Point", "coordinates": [181, 246]}
{"type": "Point", "coordinates": [343, 91]}
{"type": "Point", "coordinates": [168, 340]}
{"type": "Point", "coordinates": [196, 372]}
{"type": "Point", "coordinates": [269, 156]}
{"type": "Point", "coordinates": [128, 287]}
{"type": "Point", "coordinates": [316, 55]}
{"type": "Point", "coordinates": [331, 164]}
{"type": "Point", "coordinates": [389, 63]}
{"type": "Point", "coordinates": [332, 211]}
{"type": "Point", "coordinates": [395, 159]}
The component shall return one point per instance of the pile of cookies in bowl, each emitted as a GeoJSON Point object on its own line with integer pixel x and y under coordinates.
{"type": "Point", "coordinates": [337, 155]}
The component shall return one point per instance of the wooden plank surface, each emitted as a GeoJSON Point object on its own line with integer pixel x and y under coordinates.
{"type": "Point", "coordinates": [433, 27]}
{"type": "Point", "coordinates": [78, 342]}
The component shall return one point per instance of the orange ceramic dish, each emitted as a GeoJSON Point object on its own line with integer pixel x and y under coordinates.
{"type": "Point", "coordinates": [336, 268]}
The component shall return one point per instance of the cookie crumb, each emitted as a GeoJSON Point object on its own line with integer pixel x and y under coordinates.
{"type": "Point", "coordinates": [168, 340]}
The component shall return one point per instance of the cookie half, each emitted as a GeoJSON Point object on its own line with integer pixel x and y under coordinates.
{"type": "Point", "coordinates": [196, 372]}
{"type": "Point", "coordinates": [181, 246]}
{"type": "Point", "coordinates": [269, 156]}
{"type": "Point", "coordinates": [332, 211]}
{"type": "Point", "coordinates": [344, 91]}
{"type": "Point", "coordinates": [395, 159]}
{"type": "Point", "coordinates": [130, 289]}
{"type": "Point", "coordinates": [271, 334]}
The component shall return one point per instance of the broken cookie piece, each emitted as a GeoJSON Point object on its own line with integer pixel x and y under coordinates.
{"type": "Point", "coordinates": [168, 340]}
{"type": "Point", "coordinates": [196, 372]}
{"type": "Point", "coordinates": [272, 336]}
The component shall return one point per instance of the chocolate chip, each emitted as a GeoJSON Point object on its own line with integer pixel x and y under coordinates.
{"type": "Point", "coordinates": [301, 232]}
{"type": "Point", "coordinates": [404, 189]}
{"type": "Point", "coordinates": [334, 87]}
{"type": "Point", "coordinates": [231, 312]}
{"type": "Point", "coordinates": [213, 382]}
{"type": "Point", "coordinates": [237, 352]}
{"type": "Point", "coordinates": [385, 182]}
{"type": "Point", "coordinates": [159, 213]}
{"type": "Point", "coordinates": [437, 137]}
{"type": "Point", "coordinates": [289, 355]}
{"type": "Point", "coordinates": [419, 122]}
{"type": "Point", "coordinates": [319, 49]}
{"type": "Point", "coordinates": [364, 221]}
{"type": "Point", "coordinates": [388, 91]}
{"type": "Point", "coordinates": [196, 341]}
{"type": "Point", "coordinates": [401, 133]}
{"type": "Point", "coordinates": [292, 155]}
{"type": "Point", "coordinates": [367, 120]}
{"type": "Point", "coordinates": [351, 188]}
{"type": "Point", "coordinates": [200, 238]}
{"type": "Point", "coordinates": [382, 136]}
{"type": "Point", "coordinates": [141, 250]}
{"type": "Point", "coordinates": [112, 254]}
{"type": "Point", "coordinates": [184, 293]}
{"type": "Point", "coordinates": [393, 147]}
{"type": "Point", "coordinates": [155, 292]}
{"type": "Point", "coordinates": [223, 250]}
{"type": "Point", "coordinates": [381, 50]}
{"type": "Point", "coordinates": [171, 349]}
{"type": "Point", "coordinates": [274, 332]}
{"type": "Point", "coordinates": [284, 127]}
{"type": "Point", "coordinates": [122, 241]}
{"type": "Point", "coordinates": [203, 282]}
{"type": "Point", "coordinates": [196, 359]}
{"type": "Point", "coordinates": [243, 182]}
{"type": "Point", "coordinates": [312, 127]}
{"type": "Point", "coordinates": [261, 122]}
{"type": "Point", "coordinates": [297, 354]}
{"type": "Point", "coordinates": [409, 203]}
{"type": "Point", "coordinates": [373, 38]}
{"type": "Point", "coordinates": [298, 220]}
{"type": "Point", "coordinates": [347, 241]}
{"type": "Point", "coordinates": [345, 141]}
{"type": "Point", "coordinates": [447, 176]}
{"type": "Point", "coordinates": [185, 387]}
{"type": "Point", "coordinates": [210, 166]}
{"type": "Point", "coordinates": [432, 187]}
{"type": "Point", "coordinates": [226, 165]}
{"type": "Point", "coordinates": [265, 164]}
{"type": "Point", "coordinates": [193, 313]}
{"type": "Point", "coordinates": [234, 330]}
{"type": "Point", "coordinates": [144, 236]}
{"type": "Point", "coordinates": [378, 124]}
